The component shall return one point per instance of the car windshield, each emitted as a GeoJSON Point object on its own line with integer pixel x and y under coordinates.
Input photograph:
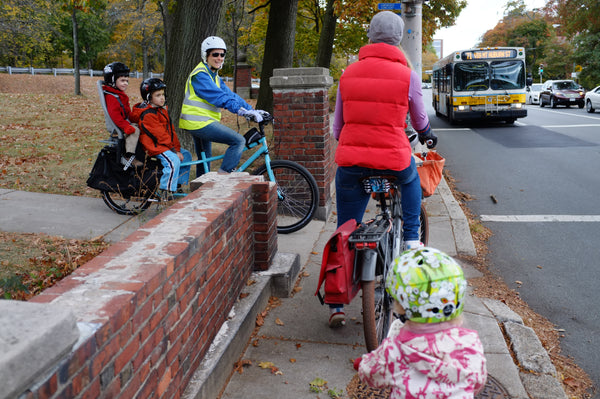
{"type": "Point", "coordinates": [566, 85]}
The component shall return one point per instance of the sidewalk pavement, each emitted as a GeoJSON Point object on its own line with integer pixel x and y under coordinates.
{"type": "Point", "coordinates": [294, 336]}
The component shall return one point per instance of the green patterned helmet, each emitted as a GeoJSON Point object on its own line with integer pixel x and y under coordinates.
{"type": "Point", "coordinates": [429, 285]}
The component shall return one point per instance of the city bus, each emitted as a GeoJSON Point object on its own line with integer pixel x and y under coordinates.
{"type": "Point", "coordinates": [480, 84]}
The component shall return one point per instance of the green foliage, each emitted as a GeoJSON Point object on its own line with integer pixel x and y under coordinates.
{"type": "Point", "coordinates": [578, 21]}
{"type": "Point", "coordinates": [92, 34]}
{"type": "Point", "coordinates": [136, 35]}
{"type": "Point", "coordinates": [588, 56]}
{"type": "Point", "coordinates": [25, 34]}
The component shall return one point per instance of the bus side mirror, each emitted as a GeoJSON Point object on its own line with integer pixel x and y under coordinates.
{"type": "Point", "coordinates": [529, 81]}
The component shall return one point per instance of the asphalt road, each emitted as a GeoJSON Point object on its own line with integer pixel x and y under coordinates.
{"type": "Point", "coordinates": [544, 173]}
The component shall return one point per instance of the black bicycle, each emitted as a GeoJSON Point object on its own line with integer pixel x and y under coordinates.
{"type": "Point", "coordinates": [378, 242]}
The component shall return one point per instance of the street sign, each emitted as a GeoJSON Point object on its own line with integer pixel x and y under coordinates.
{"type": "Point", "coordinates": [389, 6]}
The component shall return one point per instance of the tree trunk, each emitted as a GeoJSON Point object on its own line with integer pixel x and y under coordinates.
{"type": "Point", "coordinates": [325, 49]}
{"type": "Point", "coordinates": [192, 22]}
{"type": "Point", "coordinates": [76, 54]}
{"type": "Point", "coordinates": [279, 47]}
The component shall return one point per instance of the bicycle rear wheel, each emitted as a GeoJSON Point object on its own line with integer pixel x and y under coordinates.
{"type": "Point", "coordinates": [126, 204]}
{"type": "Point", "coordinates": [377, 312]}
{"type": "Point", "coordinates": [297, 192]}
{"type": "Point", "coordinates": [424, 231]}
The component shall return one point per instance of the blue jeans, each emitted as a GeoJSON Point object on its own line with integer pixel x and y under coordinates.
{"type": "Point", "coordinates": [352, 200]}
{"type": "Point", "coordinates": [172, 173]}
{"type": "Point", "coordinates": [220, 134]}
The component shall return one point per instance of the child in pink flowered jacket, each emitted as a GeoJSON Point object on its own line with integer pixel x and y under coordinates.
{"type": "Point", "coordinates": [430, 355]}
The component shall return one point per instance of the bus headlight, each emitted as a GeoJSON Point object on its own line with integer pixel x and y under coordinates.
{"type": "Point", "coordinates": [516, 105]}
{"type": "Point", "coordinates": [462, 107]}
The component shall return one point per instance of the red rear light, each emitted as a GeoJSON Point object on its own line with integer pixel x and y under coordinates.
{"type": "Point", "coordinates": [366, 245]}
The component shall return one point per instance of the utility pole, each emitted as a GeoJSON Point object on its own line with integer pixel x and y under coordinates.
{"type": "Point", "coordinates": [412, 14]}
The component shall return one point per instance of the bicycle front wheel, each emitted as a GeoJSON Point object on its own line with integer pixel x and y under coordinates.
{"type": "Point", "coordinates": [126, 204]}
{"type": "Point", "coordinates": [297, 192]}
{"type": "Point", "coordinates": [377, 312]}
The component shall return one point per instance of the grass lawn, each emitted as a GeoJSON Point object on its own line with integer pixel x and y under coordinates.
{"type": "Point", "coordinates": [49, 140]}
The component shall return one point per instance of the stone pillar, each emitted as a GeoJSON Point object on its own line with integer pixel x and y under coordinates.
{"type": "Point", "coordinates": [243, 76]}
{"type": "Point", "coordinates": [301, 130]}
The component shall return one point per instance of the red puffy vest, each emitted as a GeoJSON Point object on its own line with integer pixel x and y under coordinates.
{"type": "Point", "coordinates": [374, 94]}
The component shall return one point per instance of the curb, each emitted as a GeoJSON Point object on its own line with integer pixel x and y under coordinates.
{"type": "Point", "coordinates": [538, 374]}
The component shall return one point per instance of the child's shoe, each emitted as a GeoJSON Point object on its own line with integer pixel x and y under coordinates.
{"type": "Point", "coordinates": [337, 317]}
{"type": "Point", "coordinates": [413, 244]}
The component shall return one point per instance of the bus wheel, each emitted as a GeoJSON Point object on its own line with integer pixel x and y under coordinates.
{"type": "Point", "coordinates": [451, 117]}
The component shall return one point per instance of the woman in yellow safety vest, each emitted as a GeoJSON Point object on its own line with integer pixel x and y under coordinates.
{"type": "Point", "coordinates": [205, 95]}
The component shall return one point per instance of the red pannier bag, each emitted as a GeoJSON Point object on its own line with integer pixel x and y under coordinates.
{"type": "Point", "coordinates": [430, 172]}
{"type": "Point", "coordinates": [337, 268]}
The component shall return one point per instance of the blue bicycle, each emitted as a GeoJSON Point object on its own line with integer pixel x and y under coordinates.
{"type": "Point", "coordinates": [297, 190]}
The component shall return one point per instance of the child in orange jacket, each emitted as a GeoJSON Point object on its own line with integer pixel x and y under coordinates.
{"type": "Point", "coordinates": [159, 137]}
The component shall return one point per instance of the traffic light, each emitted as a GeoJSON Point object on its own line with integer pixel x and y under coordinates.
{"type": "Point", "coordinates": [541, 70]}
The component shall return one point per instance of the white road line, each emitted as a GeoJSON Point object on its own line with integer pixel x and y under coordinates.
{"type": "Point", "coordinates": [558, 126]}
{"type": "Point", "coordinates": [554, 111]}
{"type": "Point", "coordinates": [540, 218]}
{"type": "Point", "coordinates": [452, 129]}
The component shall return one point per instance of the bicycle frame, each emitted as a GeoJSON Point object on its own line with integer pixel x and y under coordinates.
{"type": "Point", "coordinates": [263, 150]}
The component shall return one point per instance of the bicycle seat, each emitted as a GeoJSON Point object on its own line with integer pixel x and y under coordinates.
{"type": "Point", "coordinates": [378, 184]}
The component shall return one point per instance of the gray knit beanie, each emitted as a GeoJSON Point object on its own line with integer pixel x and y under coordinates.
{"type": "Point", "coordinates": [386, 27]}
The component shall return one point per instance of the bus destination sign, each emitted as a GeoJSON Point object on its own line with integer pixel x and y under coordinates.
{"type": "Point", "coordinates": [488, 54]}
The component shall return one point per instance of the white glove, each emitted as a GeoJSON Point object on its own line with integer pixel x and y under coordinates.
{"type": "Point", "coordinates": [256, 115]}
{"type": "Point", "coordinates": [242, 111]}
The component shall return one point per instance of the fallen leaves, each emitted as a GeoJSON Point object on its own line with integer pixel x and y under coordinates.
{"type": "Point", "coordinates": [270, 366]}
{"type": "Point", "coordinates": [34, 262]}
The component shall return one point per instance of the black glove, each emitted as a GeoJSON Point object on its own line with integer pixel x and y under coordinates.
{"type": "Point", "coordinates": [428, 137]}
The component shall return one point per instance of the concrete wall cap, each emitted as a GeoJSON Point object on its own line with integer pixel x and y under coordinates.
{"type": "Point", "coordinates": [303, 78]}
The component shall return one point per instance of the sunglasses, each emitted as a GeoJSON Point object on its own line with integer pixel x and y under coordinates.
{"type": "Point", "coordinates": [218, 55]}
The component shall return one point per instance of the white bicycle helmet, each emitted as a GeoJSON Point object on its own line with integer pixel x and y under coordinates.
{"type": "Point", "coordinates": [211, 43]}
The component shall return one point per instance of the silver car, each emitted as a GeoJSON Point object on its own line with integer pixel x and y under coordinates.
{"type": "Point", "coordinates": [592, 100]}
{"type": "Point", "coordinates": [533, 93]}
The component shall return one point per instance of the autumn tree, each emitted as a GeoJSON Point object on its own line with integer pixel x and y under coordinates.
{"type": "Point", "coordinates": [92, 35]}
{"type": "Point", "coordinates": [531, 30]}
{"type": "Point", "coordinates": [279, 46]}
{"type": "Point", "coordinates": [74, 7]}
{"type": "Point", "coordinates": [137, 37]}
{"type": "Point", "coordinates": [578, 21]}
{"type": "Point", "coordinates": [25, 34]}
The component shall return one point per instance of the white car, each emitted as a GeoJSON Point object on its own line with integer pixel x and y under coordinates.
{"type": "Point", "coordinates": [533, 93]}
{"type": "Point", "coordinates": [592, 100]}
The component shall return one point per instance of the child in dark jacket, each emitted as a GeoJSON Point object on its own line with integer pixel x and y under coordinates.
{"type": "Point", "coordinates": [116, 80]}
{"type": "Point", "coordinates": [158, 136]}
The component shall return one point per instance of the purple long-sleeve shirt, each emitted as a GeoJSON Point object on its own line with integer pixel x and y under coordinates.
{"type": "Point", "coordinates": [416, 108]}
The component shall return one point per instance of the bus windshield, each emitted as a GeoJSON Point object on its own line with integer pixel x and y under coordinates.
{"type": "Point", "coordinates": [507, 75]}
{"type": "Point", "coordinates": [471, 76]}
{"type": "Point", "coordinates": [495, 75]}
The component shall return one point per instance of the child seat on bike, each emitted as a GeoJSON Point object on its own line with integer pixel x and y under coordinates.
{"type": "Point", "coordinates": [117, 137]}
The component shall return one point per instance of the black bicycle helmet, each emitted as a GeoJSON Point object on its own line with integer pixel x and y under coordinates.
{"type": "Point", "coordinates": [149, 86]}
{"type": "Point", "coordinates": [113, 71]}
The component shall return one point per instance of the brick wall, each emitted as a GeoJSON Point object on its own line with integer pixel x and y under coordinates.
{"type": "Point", "coordinates": [149, 306]}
